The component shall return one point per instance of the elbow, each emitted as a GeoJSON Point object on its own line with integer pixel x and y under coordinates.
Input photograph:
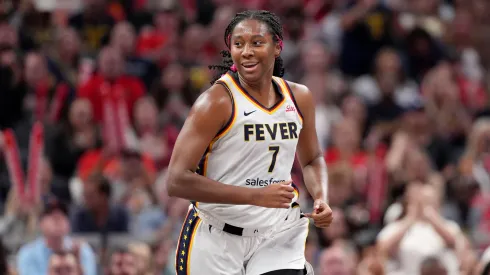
{"type": "Point", "coordinates": [173, 183]}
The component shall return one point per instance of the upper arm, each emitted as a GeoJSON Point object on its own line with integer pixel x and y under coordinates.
{"type": "Point", "coordinates": [308, 146]}
{"type": "Point", "coordinates": [208, 115]}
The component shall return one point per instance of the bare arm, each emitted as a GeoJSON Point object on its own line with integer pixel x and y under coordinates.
{"type": "Point", "coordinates": [389, 246]}
{"type": "Point", "coordinates": [356, 13]}
{"type": "Point", "coordinates": [449, 236]}
{"type": "Point", "coordinates": [208, 115]}
{"type": "Point", "coordinates": [309, 153]}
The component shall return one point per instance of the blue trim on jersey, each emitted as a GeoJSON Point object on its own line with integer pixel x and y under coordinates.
{"type": "Point", "coordinates": [185, 241]}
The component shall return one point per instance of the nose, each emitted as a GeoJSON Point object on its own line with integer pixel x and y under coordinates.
{"type": "Point", "coordinates": [247, 51]}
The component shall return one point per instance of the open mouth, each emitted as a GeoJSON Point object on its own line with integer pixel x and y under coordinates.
{"type": "Point", "coordinates": [249, 65]}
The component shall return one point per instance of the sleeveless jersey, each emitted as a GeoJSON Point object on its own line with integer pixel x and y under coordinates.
{"type": "Point", "coordinates": [255, 149]}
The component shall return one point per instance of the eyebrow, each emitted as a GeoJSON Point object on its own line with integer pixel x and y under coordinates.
{"type": "Point", "coordinates": [253, 36]}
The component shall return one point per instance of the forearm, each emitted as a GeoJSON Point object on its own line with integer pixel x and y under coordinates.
{"type": "Point", "coordinates": [389, 246]}
{"type": "Point", "coordinates": [352, 16]}
{"type": "Point", "coordinates": [194, 187]}
{"type": "Point", "coordinates": [446, 235]}
{"type": "Point", "coordinates": [316, 179]}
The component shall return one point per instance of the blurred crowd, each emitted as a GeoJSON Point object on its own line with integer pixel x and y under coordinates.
{"type": "Point", "coordinates": [93, 94]}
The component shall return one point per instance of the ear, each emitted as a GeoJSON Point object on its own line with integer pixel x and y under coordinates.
{"type": "Point", "coordinates": [277, 50]}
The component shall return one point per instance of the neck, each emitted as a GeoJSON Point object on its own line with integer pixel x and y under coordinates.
{"type": "Point", "coordinates": [54, 243]}
{"type": "Point", "coordinates": [262, 86]}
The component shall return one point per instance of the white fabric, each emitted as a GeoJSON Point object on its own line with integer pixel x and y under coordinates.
{"type": "Point", "coordinates": [367, 88]}
{"type": "Point", "coordinates": [420, 241]}
{"type": "Point", "coordinates": [235, 161]}
{"type": "Point", "coordinates": [216, 252]}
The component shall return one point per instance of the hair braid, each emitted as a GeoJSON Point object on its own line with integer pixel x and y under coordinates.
{"type": "Point", "coordinates": [275, 28]}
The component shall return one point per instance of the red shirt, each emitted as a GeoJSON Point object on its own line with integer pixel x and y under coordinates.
{"type": "Point", "coordinates": [332, 155]}
{"type": "Point", "coordinates": [131, 87]}
{"type": "Point", "coordinates": [472, 95]}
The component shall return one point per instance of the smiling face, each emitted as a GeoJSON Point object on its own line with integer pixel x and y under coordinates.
{"type": "Point", "coordinates": [253, 50]}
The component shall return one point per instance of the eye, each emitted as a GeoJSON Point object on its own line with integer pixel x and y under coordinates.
{"type": "Point", "coordinates": [237, 44]}
{"type": "Point", "coordinates": [258, 43]}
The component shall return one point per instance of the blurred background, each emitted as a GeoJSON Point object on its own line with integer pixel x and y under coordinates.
{"type": "Point", "coordinates": [402, 115]}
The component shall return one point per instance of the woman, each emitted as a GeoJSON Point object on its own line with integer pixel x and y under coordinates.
{"type": "Point", "coordinates": [248, 125]}
{"type": "Point", "coordinates": [420, 233]}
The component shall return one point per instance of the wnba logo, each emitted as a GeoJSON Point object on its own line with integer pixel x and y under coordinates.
{"type": "Point", "coordinates": [290, 108]}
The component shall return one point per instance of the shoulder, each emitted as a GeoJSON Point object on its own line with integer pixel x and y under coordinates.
{"type": "Point", "coordinates": [27, 250]}
{"type": "Point", "coordinates": [298, 89]}
{"type": "Point", "coordinates": [86, 250]}
{"type": "Point", "coordinates": [214, 99]}
{"type": "Point", "coordinates": [302, 96]}
{"type": "Point", "coordinates": [389, 230]}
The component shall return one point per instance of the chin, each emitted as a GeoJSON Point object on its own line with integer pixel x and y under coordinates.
{"type": "Point", "coordinates": [252, 77]}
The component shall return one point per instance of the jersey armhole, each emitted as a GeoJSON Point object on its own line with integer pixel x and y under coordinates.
{"type": "Point", "coordinates": [293, 99]}
{"type": "Point", "coordinates": [231, 120]}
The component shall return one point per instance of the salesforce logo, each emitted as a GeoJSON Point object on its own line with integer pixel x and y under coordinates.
{"type": "Point", "coordinates": [262, 182]}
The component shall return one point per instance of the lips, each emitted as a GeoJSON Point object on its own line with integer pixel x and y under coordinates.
{"type": "Point", "coordinates": [249, 65]}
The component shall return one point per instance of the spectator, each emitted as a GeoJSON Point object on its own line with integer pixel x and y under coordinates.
{"type": "Point", "coordinates": [111, 83]}
{"type": "Point", "coordinates": [73, 137]}
{"type": "Point", "coordinates": [336, 260]}
{"type": "Point", "coordinates": [94, 23]}
{"type": "Point", "coordinates": [174, 93]}
{"type": "Point", "coordinates": [474, 161]}
{"type": "Point", "coordinates": [143, 259]}
{"type": "Point", "coordinates": [65, 57]}
{"type": "Point", "coordinates": [63, 264]}
{"type": "Point", "coordinates": [98, 214]}
{"type": "Point", "coordinates": [122, 262]}
{"type": "Point", "coordinates": [421, 233]}
{"type": "Point", "coordinates": [25, 215]}
{"type": "Point", "coordinates": [34, 257]}
{"type": "Point", "coordinates": [387, 67]}
{"type": "Point", "coordinates": [358, 25]}
{"type": "Point", "coordinates": [45, 99]}
{"type": "Point", "coordinates": [154, 140]}
{"type": "Point", "coordinates": [123, 38]}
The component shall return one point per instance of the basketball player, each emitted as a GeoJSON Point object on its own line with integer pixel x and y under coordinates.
{"type": "Point", "coordinates": [242, 134]}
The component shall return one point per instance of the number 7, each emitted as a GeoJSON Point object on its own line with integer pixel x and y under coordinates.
{"type": "Point", "coordinates": [275, 150]}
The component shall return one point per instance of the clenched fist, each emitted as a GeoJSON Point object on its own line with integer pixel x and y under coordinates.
{"type": "Point", "coordinates": [322, 214]}
{"type": "Point", "coordinates": [274, 196]}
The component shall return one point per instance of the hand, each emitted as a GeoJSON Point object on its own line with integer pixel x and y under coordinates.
{"type": "Point", "coordinates": [274, 196]}
{"type": "Point", "coordinates": [322, 214]}
{"type": "Point", "coordinates": [430, 214]}
{"type": "Point", "coordinates": [413, 214]}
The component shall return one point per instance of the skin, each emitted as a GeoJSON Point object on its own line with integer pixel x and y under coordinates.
{"type": "Point", "coordinates": [251, 43]}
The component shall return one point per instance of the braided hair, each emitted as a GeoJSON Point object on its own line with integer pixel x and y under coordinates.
{"type": "Point", "coordinates": [275, 28]}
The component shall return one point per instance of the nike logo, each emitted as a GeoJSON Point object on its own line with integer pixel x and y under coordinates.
{"type": "Point", "coordinates": [247, 114]}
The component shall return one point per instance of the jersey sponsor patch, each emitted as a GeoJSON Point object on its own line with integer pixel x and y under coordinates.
{"type": "Point", "coordinates": [262, 182]}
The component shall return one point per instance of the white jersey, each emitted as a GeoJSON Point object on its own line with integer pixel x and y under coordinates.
{"type": "Point", "coordinates": [256, 148]}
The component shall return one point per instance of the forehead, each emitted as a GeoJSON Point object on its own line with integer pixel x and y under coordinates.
{"type": "Point", "coordinates": [251, 27]}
